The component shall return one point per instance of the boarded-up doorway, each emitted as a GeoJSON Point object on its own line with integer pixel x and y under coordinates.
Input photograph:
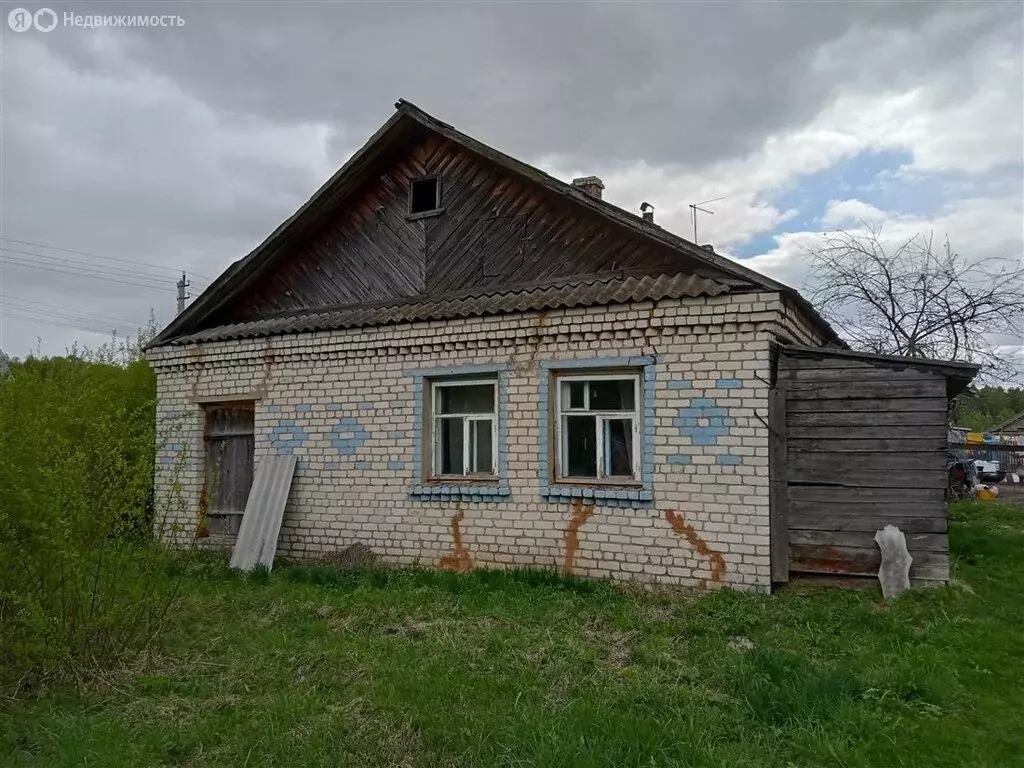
{"type": "Point", "coordinates": [229, 443]}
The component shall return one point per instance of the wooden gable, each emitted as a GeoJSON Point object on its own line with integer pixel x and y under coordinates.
{"type": "Point", "coordinates": [503, 227]}
{"type": "Point", "coordinates": [495, 230]}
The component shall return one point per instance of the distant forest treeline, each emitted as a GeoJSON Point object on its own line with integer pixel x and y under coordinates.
{"type": "Point", "coordinates": [987, 407]}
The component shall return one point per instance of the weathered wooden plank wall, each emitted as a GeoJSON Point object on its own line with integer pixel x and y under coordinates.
{"type": "Point", "coordinates": [496, 229]}
{"type": "Point", "coordinates": [778, 532]}
{"type": "Point", "coordinates": [865, 447]}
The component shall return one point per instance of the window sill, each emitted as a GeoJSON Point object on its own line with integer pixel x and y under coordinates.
{"type": "Point", "coordinates": [593, 482]}
{"type": "Point", "coordinates": [424, 214]}
{"type": "Point", "coordinates": [461, 480]}
{"type": "Point", "coordinates": [615, 495]}
{"type": "Point", "coordinates": [493, 490]}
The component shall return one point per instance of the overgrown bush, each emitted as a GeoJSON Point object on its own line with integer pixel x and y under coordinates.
{"type": "Point", "coordinates": [82, 578]}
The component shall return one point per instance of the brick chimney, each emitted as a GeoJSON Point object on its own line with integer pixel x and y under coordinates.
{"type": "Point", "coordinates": [591, 185]}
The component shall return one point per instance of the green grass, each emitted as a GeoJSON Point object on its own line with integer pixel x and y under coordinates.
{"type": "Point", "coordinates": [317, 667]}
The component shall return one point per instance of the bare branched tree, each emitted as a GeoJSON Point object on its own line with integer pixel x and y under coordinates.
{"type": "Point", "coordinates": [912, 299]}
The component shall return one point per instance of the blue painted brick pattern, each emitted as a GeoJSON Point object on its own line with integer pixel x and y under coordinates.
{"type": "Point", "coordinates": [287, 436]}
{"type": "Point", "coordinates": [362, 465]}
{"type": "Point", "coordinates": [396, 465]}
{"type": "Point", "coordinates": [172, 451]}
{"type": "Point", "coordinates": [705, 420]}
{"type": "Point", "coordinates": [460, 492]}
{"type": "Point", "coordinates": [348, 436]}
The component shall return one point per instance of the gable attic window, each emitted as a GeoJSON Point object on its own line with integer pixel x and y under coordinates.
{"type": "Point", "coordinates": [425, 196]}
{"type": "Point", "coordinates": [228, 438]}
{"type": "Point", "coordinates": [597, 427]}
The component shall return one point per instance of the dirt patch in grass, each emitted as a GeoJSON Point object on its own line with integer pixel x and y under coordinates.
{"type": "Point", "coordinates": [353, 556]}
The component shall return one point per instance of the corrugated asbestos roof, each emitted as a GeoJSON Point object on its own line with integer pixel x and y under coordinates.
{"type": "Point", "coordinates": [579, 293]}
{"type": "Point", "coordinates": [257, 536]}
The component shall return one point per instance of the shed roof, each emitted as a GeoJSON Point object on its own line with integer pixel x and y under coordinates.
{"type": "Point", "coordinates": [958, 374]}
{"type": "Point", "coordinates": [190, 323]}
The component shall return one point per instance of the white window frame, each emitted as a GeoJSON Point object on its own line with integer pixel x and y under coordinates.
{"type": "Point", "coordinates": [434, 461]}
{"type": "Point", "coordinates": [635, 415]}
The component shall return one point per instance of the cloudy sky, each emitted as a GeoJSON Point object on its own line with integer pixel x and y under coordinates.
{"type": "Point", "coordinates": [131, 154]}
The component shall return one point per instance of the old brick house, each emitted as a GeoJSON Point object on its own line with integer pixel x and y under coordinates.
{"type": "Point", "coordinates": [476, 364]}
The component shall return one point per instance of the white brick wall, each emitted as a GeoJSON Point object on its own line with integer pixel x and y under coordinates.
{"type": "Point", "coordinates": [706, 349]}
{"type": "Point", "coordinates": [794, 326]}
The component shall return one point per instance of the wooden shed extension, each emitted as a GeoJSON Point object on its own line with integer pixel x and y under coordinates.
{"type": "Point", "coordinates": [859, 442]}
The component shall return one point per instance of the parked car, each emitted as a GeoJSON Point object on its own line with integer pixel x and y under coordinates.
{"type": "Point", "coordinates": [989, 471]}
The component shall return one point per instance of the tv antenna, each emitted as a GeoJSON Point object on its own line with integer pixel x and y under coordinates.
{"type": "Point", "coordinates": [694, 207]}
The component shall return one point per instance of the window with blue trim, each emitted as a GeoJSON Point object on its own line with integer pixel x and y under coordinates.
{"type": "Point", "coordinates": [597, 427]}
{"type": "Point", "coordinates": [616, 410]}
{"type": "Point", "coordinates": [463, 428]}
{"type": "Point", "coordinates": [460, 432]}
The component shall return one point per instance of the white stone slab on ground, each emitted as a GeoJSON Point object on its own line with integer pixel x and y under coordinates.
{"type": "Point", "coordinates": [894, 572]}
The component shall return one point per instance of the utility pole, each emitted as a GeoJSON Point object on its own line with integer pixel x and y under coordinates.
{"type": "Point", "coordinates": [182, 285]}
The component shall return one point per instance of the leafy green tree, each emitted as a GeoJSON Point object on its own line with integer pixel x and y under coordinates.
{"type": "Point", "coordinates": [80, 573]}
{"type": "Point", "coordinates": [988, 407]}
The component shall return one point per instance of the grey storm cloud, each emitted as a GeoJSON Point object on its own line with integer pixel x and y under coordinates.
{"type": "Point", "coordinates": [184, 147]}
{"type": "Point", "coordinates": [681, 83]}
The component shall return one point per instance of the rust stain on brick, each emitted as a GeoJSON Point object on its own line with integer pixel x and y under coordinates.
{"type": "Point", "coordinates": [715, 560]}
{"type": "Point", "coordinates": [458, 560]}
{"type": "Point", "coordinates": [580, 513]}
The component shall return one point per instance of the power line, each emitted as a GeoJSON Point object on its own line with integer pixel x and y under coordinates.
{"type": "Point", "coordinates": [66, 315]}
{"type": "Point", "coordinates": [9, 262]}
{"type": "Point", "coordinates": [55, 308]}
{"type": "Point", "coordinates": [81, 326]}
{"type": "Point", "coordinates": [39, 306]}
{"type": "Point", "coordinates": [101, 269]}
{"type": "Point", "coordinates": [100, 256]}
{"type": "Point", "coordinates": [40, 315]}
